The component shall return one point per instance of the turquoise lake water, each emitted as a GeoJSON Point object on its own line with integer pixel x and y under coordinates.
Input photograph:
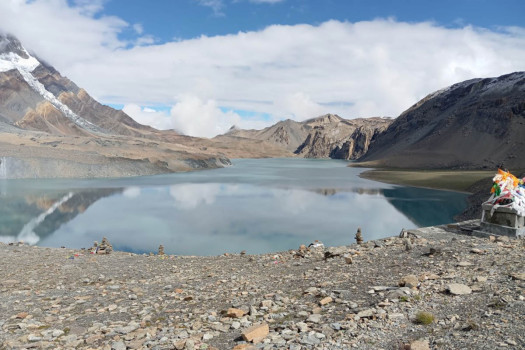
{"type": "Point", "coordinates": [262, 205]}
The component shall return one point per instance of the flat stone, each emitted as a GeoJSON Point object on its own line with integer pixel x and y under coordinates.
{"type": "Point", "coordinates": [458, 289]}
{"type": "Point", "coordinates": [366, 313]}
{"type": "Point", "coordinates": [235, 313]}
{"type": "Point", "coordinates": [394, 315]}
{"type": "Point", "coordinates": [409, 281]}
{"type": "Point", "coordinates": [315, 318]}
{"type": "Point", "coordinates": [33, 338]}
{"type": "Point", "coordinates": [266, 303]}
{"type": "Point", "coordinates": [256, 332]}
{"type": "Point", "coordinates": [179, 345]}
{"type": "Point", "coordinates": [382, 288]}
{"type": "Point", "coordinates": [244, 347]}
{"type": "Point", "coordinates": [420, 345]}
{"type": "Point", "coordinates": [118, 345]}
{"type": "Point", "coordinates": [303, 327]}
{"type": "Point", "coordinates": [310, 339]}
{"type": "Point", "coordinates": [128, 329]}
{"type": "Point", "coordinates": [317, 310]}
{"type": "Point", "coordinates": [57, 333]}
{"type": "Point", "coordinates": [325, 301]}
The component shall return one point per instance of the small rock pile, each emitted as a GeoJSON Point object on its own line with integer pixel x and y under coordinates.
{"type": "Point", "coordinates": [359, 236]}
{"type": "Point", "coordinates": [103, 248]}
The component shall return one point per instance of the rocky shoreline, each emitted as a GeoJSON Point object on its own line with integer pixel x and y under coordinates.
{"type": "Point", "coordinates": [433, 288]}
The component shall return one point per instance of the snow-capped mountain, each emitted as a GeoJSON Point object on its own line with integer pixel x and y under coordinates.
{"type": "Point", "coordinates": [36, 97]}
{"type": "Point", "coordinates": [25, 64]}
{"type": "Point", "coordinates": [49, 127]}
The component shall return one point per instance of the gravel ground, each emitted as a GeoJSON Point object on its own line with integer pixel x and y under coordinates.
{"type": "Point", "coordinates": [432, 289]}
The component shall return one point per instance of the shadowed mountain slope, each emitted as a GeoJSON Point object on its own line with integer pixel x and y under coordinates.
{"type": "Point", "coordinates": [478, 123]}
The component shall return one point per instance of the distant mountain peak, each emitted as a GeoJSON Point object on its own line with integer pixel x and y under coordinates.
{"type": "Point", "coordinates": [14, 56]}
{"type": "Point", "coordinates": [10, 44]}
{"type": "Point", "coordinates": [327, 118]}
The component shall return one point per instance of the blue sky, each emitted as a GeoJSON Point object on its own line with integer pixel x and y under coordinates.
{"type": "Point", "coordinates": [185, 19]}
{"type": "Point", "coordinates": [200, 66]}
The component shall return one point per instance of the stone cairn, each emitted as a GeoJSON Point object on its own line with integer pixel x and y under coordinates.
{"type": "Point", "coordinates": [103, 248]}
{"type": "Point", "coordinates": [359, 236]}
{"type": "Point", "coordinates": [161, 249]}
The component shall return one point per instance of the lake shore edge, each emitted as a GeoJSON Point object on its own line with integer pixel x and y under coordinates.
{"type": "Point", "coordinates": [432, 286]}
{"type": "Point", "coordinates": [449, 180]}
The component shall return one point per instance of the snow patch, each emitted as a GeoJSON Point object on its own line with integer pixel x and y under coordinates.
{"type": "Point", "coordinates": [26, 66]}
{"type": "Point", "coordinates": [27, 234]}
{"type": "Point", "coordinates": [9, 61]}
{"type": "Point", "coordinates": [41, 89]}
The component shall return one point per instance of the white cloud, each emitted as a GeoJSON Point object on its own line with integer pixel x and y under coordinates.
{"type": "Point", "coordinates": [138, 28]}
{"type": "Point", "coordinates": [145, 40]}
{"type": "Point", "coordinates": [194, 117]}
{"type": "Point", "coordinates": [89, 7]}
{"type": "Point", "coordinates": [144, 115]}
{"type": "Point", "coordinates": [300, 106]}
{"type": "Point", "coordinates": [215, 5]}
{"type": "Point", "coordinates": [371, 68]}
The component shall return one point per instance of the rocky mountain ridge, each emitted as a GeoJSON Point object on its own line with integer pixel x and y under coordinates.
{"type": "Point", "coordinates": [328, 136]}
{"type": "Point", "coordinates": [478, 123]}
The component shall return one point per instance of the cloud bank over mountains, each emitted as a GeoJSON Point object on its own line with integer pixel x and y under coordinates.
{"type": "Point", "coordinates": [202, 86]}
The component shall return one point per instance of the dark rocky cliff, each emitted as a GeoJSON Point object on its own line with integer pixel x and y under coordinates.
{"type": "Point", "coordinates": [478, 123]}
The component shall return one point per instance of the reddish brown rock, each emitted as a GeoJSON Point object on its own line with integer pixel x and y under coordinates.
{"type": "Point", "coordinates": [235, 313]}
{"type": "Point", "coordinates": [256, 333]}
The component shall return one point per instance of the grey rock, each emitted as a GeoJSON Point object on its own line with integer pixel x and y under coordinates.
{"type": "Point", "coordinates": [118, 345]}
{"type": "Point", "coordinates": [315, 318]}
{"type": "Point", "coordinates": [458, 289]}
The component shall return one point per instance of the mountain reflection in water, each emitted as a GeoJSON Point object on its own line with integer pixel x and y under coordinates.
{"type": "Point", "coordinates": [244, 208]}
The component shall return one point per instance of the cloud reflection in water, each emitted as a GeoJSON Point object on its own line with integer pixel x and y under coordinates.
{"type": "Point", "coordinates": [257, 205]}
{"type": "Point", "coordinates": [214, 218]}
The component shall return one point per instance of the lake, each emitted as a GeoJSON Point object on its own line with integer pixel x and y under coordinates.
{"type": "Point", "coordinates": [257, 205]}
